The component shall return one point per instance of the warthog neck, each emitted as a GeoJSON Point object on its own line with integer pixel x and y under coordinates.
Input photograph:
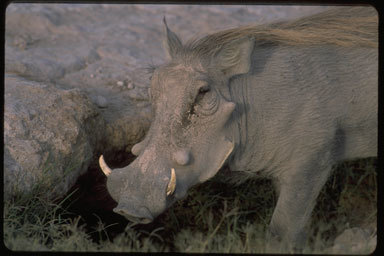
{"type": "Point", "coordinates": [243, 129]}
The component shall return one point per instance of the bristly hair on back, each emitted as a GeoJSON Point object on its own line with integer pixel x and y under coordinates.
{"type": "Point", "coordinates": [342, 26]}
{"type": "Point", "coordinates": [150, 68]}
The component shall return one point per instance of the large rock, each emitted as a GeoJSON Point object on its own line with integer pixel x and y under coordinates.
{"type": "Point", "coordinates": [50, 135]}
{"type": "Point", "coordinates": [56, 53]}
{"type": "Point", "coordinates": [103, 50]}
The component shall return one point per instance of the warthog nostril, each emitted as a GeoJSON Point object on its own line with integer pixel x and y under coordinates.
{"type": "Point", "coordinates": [181, 157]}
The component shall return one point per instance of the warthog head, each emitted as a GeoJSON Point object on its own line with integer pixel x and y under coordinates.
{"type": "Point", "coordinates": [190, 137]}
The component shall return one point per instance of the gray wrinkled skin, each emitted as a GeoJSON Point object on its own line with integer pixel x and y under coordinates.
{"type": "Point", "coordinates": [288, 112]}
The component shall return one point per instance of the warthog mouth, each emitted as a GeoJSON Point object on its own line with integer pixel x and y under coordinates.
{"type": "Point", "coordinates": [143, 217]}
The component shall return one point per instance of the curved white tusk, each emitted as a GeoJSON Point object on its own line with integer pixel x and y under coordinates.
{"type": "Point", "coordinates": [172, 183]}
{"type": "Point", "coordinates": [104, 167]}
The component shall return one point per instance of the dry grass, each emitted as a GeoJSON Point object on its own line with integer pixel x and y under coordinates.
{"type": "Point", "coordinates": [215, 217]}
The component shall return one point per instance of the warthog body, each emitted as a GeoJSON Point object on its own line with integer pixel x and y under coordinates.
{"type": "Point", "coordinates": [286, 100]}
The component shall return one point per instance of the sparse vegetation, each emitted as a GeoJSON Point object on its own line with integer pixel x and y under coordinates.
{"type": "Point", "coordinates": [215, 217]}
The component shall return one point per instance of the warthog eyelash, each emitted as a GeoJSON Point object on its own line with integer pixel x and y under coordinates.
{"type": "Point", "coordinates": [150, 69]}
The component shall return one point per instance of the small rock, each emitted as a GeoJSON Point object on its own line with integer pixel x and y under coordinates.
{"type": "Point", "coordinates": [130, 85]}
{"type": "Point", "coordinates": [101, 102]}
{"type": "Point", "coordinates": [354, 240]}
{"type": "Point", "coordinates": [92, 75]}
{"type": "Point", "coordinates": [120, 83]}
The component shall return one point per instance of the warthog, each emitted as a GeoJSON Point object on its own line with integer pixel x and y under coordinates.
{"type": "Point", "coordinates": [286, 100]}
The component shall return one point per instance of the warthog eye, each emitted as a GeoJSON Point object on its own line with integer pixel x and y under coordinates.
{"type": "Point", "coordinates": [204, 89]}
{"type": "Point", "coordinates": [206, 102]}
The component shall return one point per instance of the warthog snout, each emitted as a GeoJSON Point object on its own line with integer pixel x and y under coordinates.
{"type": "Point", "coordinates": [140, 195]}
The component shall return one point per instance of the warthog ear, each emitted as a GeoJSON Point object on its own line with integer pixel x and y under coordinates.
{"type": "Point", "coordinates": [234, 58]}
{"type": "Point", "coordinates": [172, 43]}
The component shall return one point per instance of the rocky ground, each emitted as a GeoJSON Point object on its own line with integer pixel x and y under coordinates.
{"type": "Point", "coordinates": [76, 81]}
{"type": "Point", "coordinates": [75, 77]}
